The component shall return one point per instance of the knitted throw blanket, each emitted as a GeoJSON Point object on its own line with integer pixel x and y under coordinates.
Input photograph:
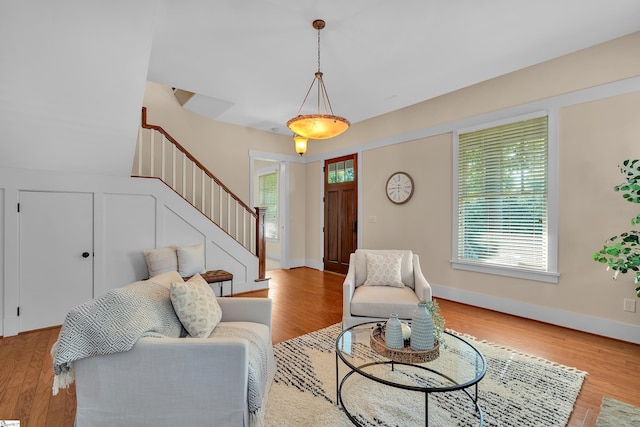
{"type": "Point", "coordinates": [113, 323]}
{"type": "Point", "coordinates": [257, 371]}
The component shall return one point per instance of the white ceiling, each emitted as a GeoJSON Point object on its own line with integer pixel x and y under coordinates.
{"type": "Point", "coordinates": [250, 62]}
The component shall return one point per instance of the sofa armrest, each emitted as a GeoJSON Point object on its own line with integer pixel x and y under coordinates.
{"type": "Point", "coordinates": [165, 381]}
{"type": "Point", "coordinates": [349, 285]}
{"type": "Point", "coordinates": [246, 310]}
{"type": "Point", "coordinates": [422, 287]}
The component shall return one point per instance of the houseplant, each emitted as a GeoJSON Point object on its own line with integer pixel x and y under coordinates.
{"type": "Point", "coordinates": [621, 253]}
{"type": "Point", "coordinates": [438, 321]}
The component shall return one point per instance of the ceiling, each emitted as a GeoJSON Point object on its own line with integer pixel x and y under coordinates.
{"type": "Point", "coordinates": [250, 62]}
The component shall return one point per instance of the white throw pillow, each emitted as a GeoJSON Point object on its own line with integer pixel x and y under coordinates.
{"type": "Point", "coordinates": [161, 260]}
{"type": "Point", "coordinates": [384, 270]}
{"type": "Point", "coordinates": [196, 306]}
{"type": "Point", "coordinates": [190, 260]}
{"type": "Point", "coordinates": [166, 279]}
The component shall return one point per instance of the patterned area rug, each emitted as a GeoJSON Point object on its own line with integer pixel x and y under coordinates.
{"type": "Point", "coordinates": [518, 390]}
{"type": "Point", "coordinates": [614, 413]}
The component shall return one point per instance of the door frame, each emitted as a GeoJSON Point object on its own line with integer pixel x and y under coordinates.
{"type": "Point", "coordinates": [357, 154]}
{"type": "Point", "coordinates": [282, 165]}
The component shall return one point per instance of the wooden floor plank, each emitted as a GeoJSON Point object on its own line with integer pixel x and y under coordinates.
{"type": "Point", "coordinates": [306, 300]}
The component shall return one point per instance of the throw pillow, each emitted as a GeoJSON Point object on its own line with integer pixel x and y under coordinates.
{"type": "Point", "coordinates": [166, 279]}
{"type": "Point", "coordinates": [190, 260]}
{"type": "Point", "coordinates": [196, 306]}
{"type": "Point", "coordinates": [161, 260]}
{"type": "Point", "coordinates": [384, 270]}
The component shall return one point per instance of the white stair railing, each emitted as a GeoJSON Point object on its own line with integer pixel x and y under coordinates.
{"type": "Point", "coordinates": [159, 155]}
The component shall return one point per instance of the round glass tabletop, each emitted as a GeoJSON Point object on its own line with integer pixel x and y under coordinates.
{"type": "Point", "coordinates": [458, 366]}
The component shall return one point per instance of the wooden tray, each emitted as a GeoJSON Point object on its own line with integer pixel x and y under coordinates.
{"type": "Point", "coordinates": [405, 355]}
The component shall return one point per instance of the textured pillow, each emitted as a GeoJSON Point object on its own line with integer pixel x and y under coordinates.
{"type": "Point", "coordinates": [384, 270]}
{"type": "Point", "coordinates": [196, 306]}
{"type": "Point", "coordinates": [190, 260]}
{"type": "Point", "coordinates": [166, 279]}
{"type": "Point", "coordinates": [161, 260]}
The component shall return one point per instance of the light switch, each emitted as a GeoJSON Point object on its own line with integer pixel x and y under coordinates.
{"type": "Point", "coordinates": [373, 218]}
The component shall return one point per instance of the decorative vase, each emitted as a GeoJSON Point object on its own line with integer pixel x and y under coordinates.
{"type": "Point", "coordinates": [421, 328]}
{"type": "Point", "coordinates": [393, 332]}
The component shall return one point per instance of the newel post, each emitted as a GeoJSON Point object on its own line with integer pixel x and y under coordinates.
{"type": "Point", "coordinates": [261, 242]}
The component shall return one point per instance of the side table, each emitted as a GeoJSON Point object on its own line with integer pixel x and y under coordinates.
{"type": "Point", "coordinates": [219, 277]}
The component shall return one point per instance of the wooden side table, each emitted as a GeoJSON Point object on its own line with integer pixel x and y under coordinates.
{"type": "Point", "coordinates": [219, 277]}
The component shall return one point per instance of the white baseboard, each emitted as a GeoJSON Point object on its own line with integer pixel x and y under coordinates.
{"type": "Point", "coordinates": [10, 326]}
{"type": "Point", "coordinates": [567, 319]}
{"type": "Point", "coordinates": [318, 265]}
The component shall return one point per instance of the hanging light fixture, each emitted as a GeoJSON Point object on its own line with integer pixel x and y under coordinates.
{"type": "Point", "coordinates": [321, 125]}
{"type": "Point", "coordinates": [301, 144]}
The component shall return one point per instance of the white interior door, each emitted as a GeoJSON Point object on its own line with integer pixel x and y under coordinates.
{"type": "Point", "coordinates": [55, 256]}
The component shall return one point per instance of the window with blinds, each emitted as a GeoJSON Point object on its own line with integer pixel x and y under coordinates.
{"type": "Point", "coordinates": [502, 192]}
{"type": "Point", "coordinates": [268, 198]}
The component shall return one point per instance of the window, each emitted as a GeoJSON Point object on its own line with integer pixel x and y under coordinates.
{"type": "Point", "coordinates": [502, 198]}
{"type": "Point", "coordinates": [341, 171]}
{"type": "Point", "coordinates": [268, 198]}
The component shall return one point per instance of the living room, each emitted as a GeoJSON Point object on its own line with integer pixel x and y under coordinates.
{"type": "Point", "coordinates": [591, 96]}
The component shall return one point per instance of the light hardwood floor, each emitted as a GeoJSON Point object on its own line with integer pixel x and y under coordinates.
{"type": "Point", "coordinates": [306, 300]}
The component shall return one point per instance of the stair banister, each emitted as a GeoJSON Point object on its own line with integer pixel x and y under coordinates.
{"type": "Point", "coordinates": [236, 209]}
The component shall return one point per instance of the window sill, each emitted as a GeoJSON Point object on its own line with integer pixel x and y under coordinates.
{"type": "Point", "coordinates": [520, 273]}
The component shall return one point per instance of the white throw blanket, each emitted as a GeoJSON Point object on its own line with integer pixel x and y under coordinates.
{"type": "Point", "coordinates": [257, 370]}
{"type": "Point", "coordinates": [113, 323]}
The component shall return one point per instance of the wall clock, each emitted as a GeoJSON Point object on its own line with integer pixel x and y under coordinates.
{"type": "Point", "coordinates": [399, 187]}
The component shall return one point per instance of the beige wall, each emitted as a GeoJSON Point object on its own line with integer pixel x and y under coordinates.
{"type": "Point", "coordinates": [313, 200]}
{"type": "Point", "coordinates": [298, 221]}
{"type": "Point", "coordinates": [223, 148]}
{"type": "Point", "coordinates": [593, 138]}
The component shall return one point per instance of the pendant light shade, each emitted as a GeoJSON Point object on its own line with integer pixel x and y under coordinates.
{"type": "Point", "coordinates": [324, 124]}
{"type": "Point", "coordinates": [318, 126]}
{"type": "Point", "coordinates": [301, 144]}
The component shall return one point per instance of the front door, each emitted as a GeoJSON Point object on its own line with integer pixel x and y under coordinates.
{"type": "Point", "coordinates": [340, 212]}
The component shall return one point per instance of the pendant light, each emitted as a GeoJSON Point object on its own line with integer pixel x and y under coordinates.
{"type": "Point", "coordinates": [321, 125]}
{"type": "Point", "coordinates": [301, 144]}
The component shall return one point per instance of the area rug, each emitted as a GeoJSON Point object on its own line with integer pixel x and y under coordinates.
{"type": "Point", "coordinates": [614, 413]}
{"type": "Point", "coordinates": [518, 390]}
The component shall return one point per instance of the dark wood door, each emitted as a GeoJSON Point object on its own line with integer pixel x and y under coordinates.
{"type": "Point", "coordinates": [340, 212]}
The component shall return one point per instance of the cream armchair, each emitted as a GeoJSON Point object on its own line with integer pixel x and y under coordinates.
{"type": "Point", "coordinates": [367, 301]}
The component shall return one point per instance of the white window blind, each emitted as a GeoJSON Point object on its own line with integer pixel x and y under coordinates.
{"type": "Point", "coordinates": [268, 198]}
{"type": "Point", "coordinates": [502, 195]}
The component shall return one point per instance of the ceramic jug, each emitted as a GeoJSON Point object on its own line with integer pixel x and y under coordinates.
{"type": "Point", "coordinates": [421, 328]}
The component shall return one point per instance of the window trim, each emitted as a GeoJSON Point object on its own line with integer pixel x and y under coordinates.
{"type": "Point", "coordinates": [551, 275]}
{"type": "Point", "coordinates": [268, 171]}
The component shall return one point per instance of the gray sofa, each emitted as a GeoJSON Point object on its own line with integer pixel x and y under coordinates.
{"type": "Point", "coordinates": [177, 381]}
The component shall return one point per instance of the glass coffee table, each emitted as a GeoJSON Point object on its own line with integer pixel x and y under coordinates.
{"type": "Point", "coordinates": [458, 368]}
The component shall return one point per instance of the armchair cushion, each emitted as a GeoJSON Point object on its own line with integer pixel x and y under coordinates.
{"type": "Point", "coordinates": [196, 306]}
{"type": "Point", "coordinates": [406, 267]}
{"type": "Point", "coordinates": [384, 270]}
{"type": "Point", "coordinates": [381, 301]}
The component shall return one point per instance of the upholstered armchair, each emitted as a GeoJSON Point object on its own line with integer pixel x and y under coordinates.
{"type": "Point", "coordinates": [381, 282]}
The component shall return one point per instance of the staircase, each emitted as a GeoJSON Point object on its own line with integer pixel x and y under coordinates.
{"type": "Point", "coordinates": [159, 155]}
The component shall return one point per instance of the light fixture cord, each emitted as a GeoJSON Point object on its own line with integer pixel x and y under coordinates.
{"type": "Point", "coordinates": [318, 49]}
{"type": "Point", "coordinates": [322, 90]}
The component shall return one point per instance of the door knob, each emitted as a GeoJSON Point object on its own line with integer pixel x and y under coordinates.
{"type": "Point", "coordinates": [85, 254]}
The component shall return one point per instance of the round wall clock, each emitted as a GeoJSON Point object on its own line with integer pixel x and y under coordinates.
{"type": "Point", "coordinates": [399, 187]}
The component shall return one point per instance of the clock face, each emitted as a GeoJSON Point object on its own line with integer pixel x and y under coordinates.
{"type": "Point", "coordinates": [399, 187]}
